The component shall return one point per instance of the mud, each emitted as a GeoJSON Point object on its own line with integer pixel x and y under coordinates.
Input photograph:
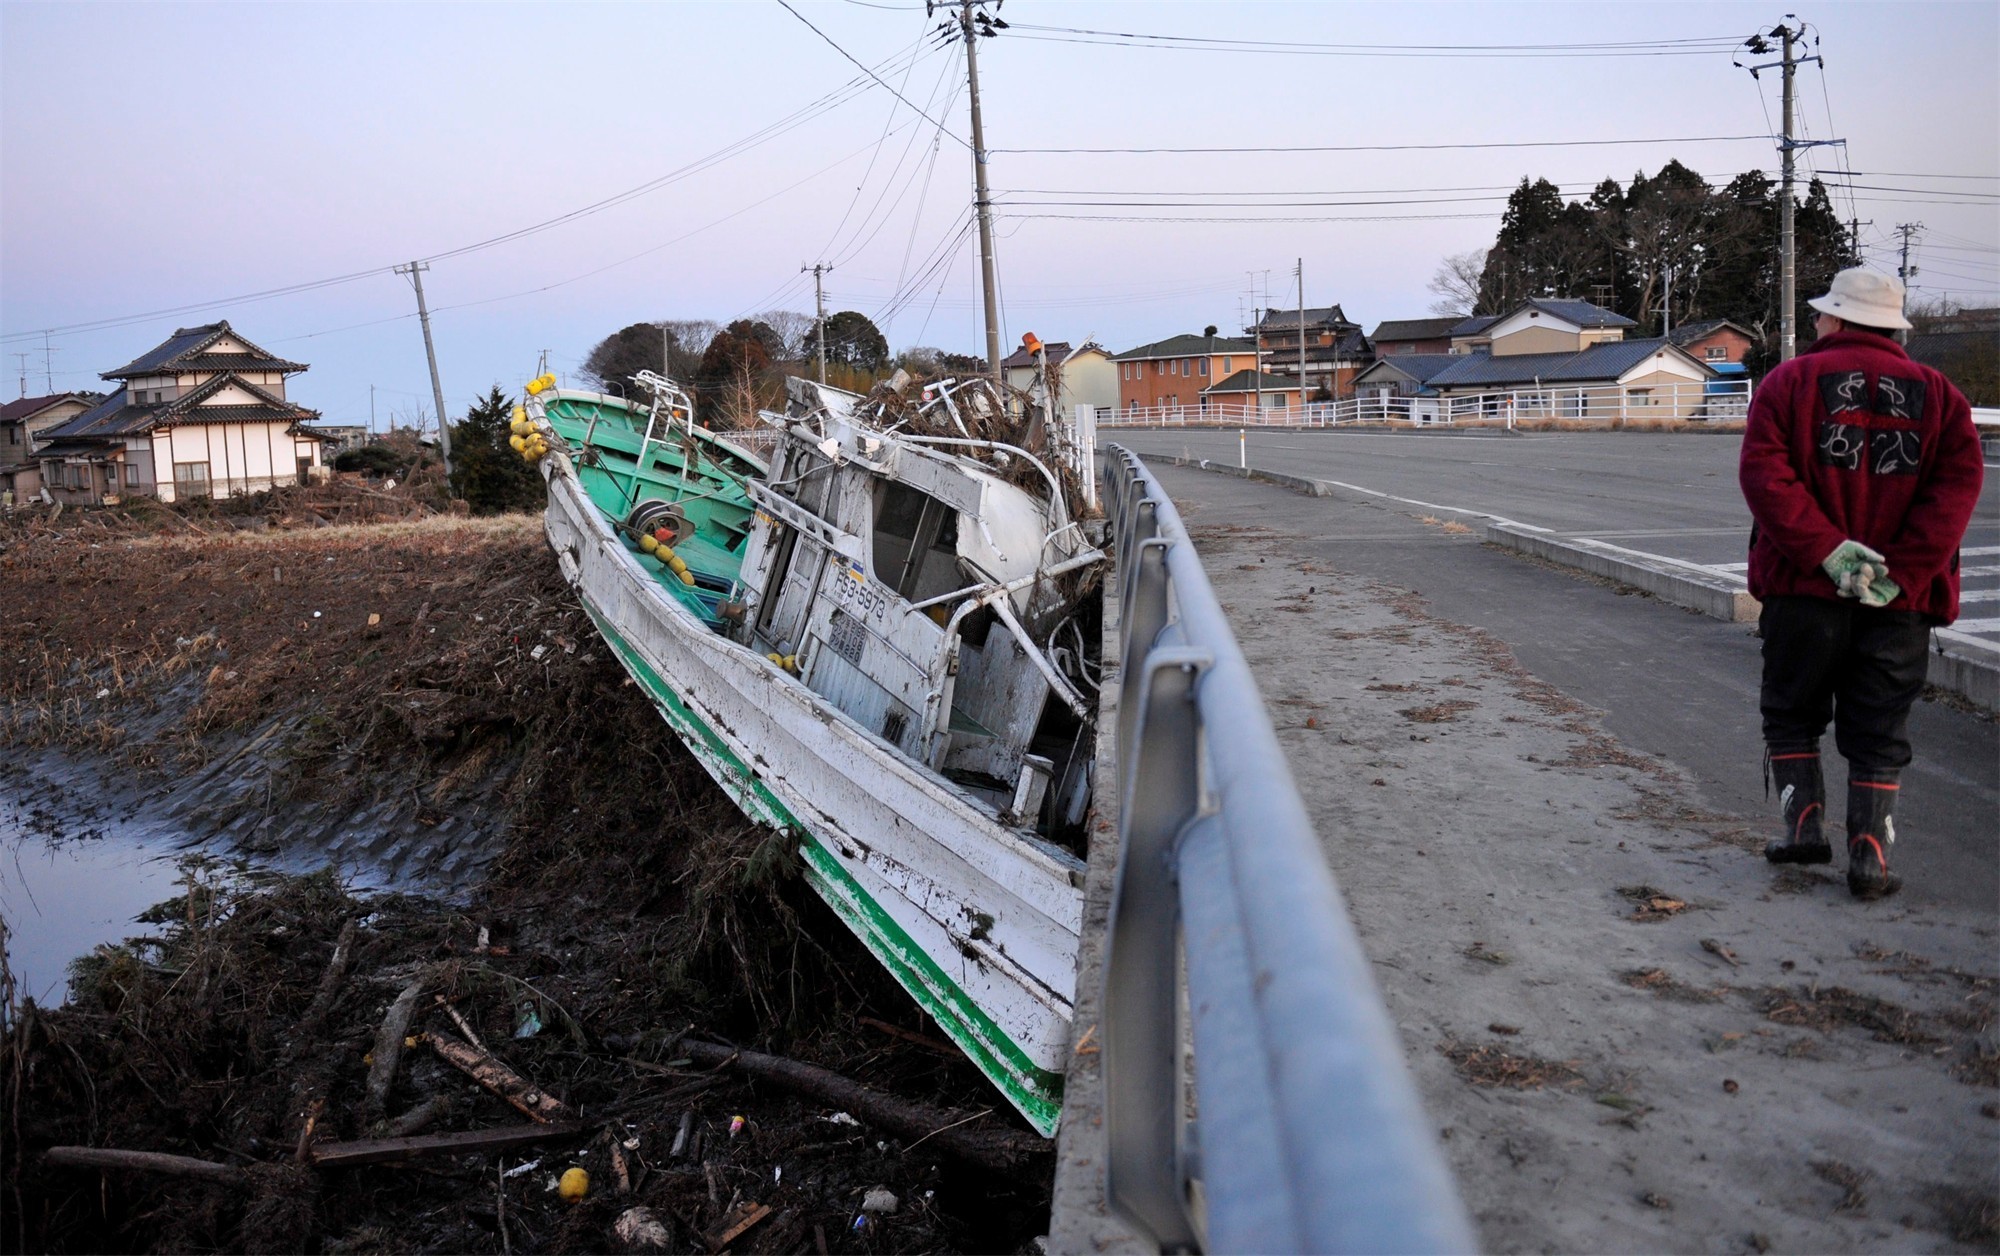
{"type": "Point", "coordinates": [419, 703]}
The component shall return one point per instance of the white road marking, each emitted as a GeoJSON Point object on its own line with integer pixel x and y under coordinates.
{"type": "Point", "coordinates": [1981, 571]}
{"type": "Point", "coordinates": [1455, 510]}
{"type": "Point", "coordinates": [1977, 625]}
{"type": "Point", "coordinates": [1979, 551]}
{"type": "Point", "coordinates": [1979, 595]}
{"type": "Point", "coordinates": [1731, 566]}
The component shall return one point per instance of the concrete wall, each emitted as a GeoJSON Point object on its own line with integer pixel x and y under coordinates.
{"type": "Point", "coordinates": [1538, 339]}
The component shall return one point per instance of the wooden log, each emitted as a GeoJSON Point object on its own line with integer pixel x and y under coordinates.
{"type": "Point", "coordinates": [145, 1162]}
{"type": "Point", "coordinates": [489, 1072]}
{"type": "Point", "coordinates": [1012, 1152]}
{"type": "Point", "coordinates": [389, 1045]}
{"type": "Point", "coordinates": [382, 1150]}
{"type": "Point", "coordinates": [329, 985]}
{"type": "Point", "coordinates": [731, 1227]}
{"type": "Point", "coordinates": [417, 1119]}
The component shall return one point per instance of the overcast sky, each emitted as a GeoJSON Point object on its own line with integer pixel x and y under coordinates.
{"type": "Point", "coordinates": [156, 159]}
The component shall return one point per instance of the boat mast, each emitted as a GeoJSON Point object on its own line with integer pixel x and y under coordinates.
{"type": "Point", "coordinates": [980, 200]}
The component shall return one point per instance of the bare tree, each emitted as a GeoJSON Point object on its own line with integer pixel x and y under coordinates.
{"type": "Point", "coordinates": [1456, 283]}
{"type": "Point", "coordinates": [794, 332]}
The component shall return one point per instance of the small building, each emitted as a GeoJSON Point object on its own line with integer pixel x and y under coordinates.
{"type": "Point", "coordinates": [1469, 335]}
{"type": "Point", "coordinates": [1335, 349]}
{"type": "Point", "coordinates": [203, 414]}
{"type": "Point", "coordinates": [1615, 379]}
{"type": "Point", "coordinates": [1397, 336]}
{"type": "Point", "coordinates": [1084, 375]}
{"type": "Point", "coordinates": [1177, 370]}
{"type": "Point", "coordinates": [1553, 325]}
{"type": "Point", "coordinates": [1714, 341]}
{"type": "Point", "coordinates": [22, 422]}
{"type": "Point", "coordinates": [337, 438]}
{"type": "Point", "coordinates": [1403, 375]}
{"type": "Point", "coordinates": [1249, 389]}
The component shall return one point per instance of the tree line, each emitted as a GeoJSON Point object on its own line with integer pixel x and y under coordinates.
{"type": "Point", "coordinates": [1663, 250]}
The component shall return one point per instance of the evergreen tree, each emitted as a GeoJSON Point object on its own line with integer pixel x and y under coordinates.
{"type": "Point", "coordinates": [486, 471]}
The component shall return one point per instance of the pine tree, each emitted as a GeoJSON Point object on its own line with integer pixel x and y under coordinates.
{"type": "Point", "coordinates": [486, 471]}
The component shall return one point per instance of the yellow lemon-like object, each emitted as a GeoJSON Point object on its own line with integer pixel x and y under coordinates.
{"type": "Point", "coordinates": [520, 414]}
{"type": "Point", "coordinates": [647, 543]}
{"type": "Point", "coordinates": [574, 1186]}
{"type": "Point", "coordinates": [520, 445]}
{"type": "Point", "coordinates": [687, 577]}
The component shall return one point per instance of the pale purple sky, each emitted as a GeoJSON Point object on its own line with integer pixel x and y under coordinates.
{"type": "Point", "coordinates": [156, 156]}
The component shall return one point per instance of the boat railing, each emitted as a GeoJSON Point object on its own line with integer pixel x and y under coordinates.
{"type": "Point", "coordinates": [1309, 1136]}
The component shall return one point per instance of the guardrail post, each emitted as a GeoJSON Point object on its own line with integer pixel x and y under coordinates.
{"type": "Point", "coordinates": [1143, 611]}
{"type": "Point", "coordinates": [1141, 1028]}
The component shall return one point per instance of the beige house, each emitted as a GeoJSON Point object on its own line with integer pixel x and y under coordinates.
{"type": "Point", "coordinates": [204, 414]}
{"type": "Point", "coordinates": [1083, 375]}
{"type": "Point", "coordinates": [22, 422]}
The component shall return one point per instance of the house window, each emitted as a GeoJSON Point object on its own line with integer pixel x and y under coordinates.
{"type": "Point", "coordinates": [1716, 353]}
{"type": "Point", "coordinates": [1228, 366]}
{"type": "Point", "coordinates": [1204, 368]}
{"type": "Point", "coordinates": [190, 479]}
{"type": "Point", "coordinates": [1174, 367]}
{"type": "Point", "coordinates": [131, 475]}
{"type": "Point", "coordinates": [1642, 396]}
{"type": "Point", "coordinates": [13, 434]}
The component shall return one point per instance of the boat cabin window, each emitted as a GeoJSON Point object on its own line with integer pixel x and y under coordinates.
{"type": "Point", "coordinates": [810, 477]}
{"type": "Point", "coordinates": [916, 542]}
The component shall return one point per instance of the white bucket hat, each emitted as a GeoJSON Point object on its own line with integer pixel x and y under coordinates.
{"type": "Point", "coordinates": [1864, 296]}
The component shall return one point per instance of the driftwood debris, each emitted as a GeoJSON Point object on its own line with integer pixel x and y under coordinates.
{"type": "Point", "coordinates": [145, 1162]}
{"type": "Point", "coordinates": [731, 1227]}
{"type": "Point", "coordinates": [329, 985]}
{"type": "Point", "coordinates": [389, 1045]}
{"type": "Point", "coordinates": [380, 1150]}
{"type": "Point", "coordinates": [419, 1118]}
{"type": "Point", "coordinates": [491, 1073]}
{"type": "Point", "coordinates": [1011, 1152]}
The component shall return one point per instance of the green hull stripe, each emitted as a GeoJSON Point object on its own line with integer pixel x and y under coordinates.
{"type": "Point", "coordinates": [1036, 1091]}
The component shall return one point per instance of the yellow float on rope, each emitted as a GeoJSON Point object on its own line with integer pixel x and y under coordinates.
{"type": "Point", "coordinates": [520, 445]}
{"type": "Point", "coordinates": [647, 543]}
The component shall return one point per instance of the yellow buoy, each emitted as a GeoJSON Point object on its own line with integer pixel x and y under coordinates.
{"type": "Point", "coordinates": [678, 563]}
{"type": "Point", "coordinates": [535, 386]}
{"type": "Point", "coordinates": [520, 445]}
{"type": "Point", "coordinates": [687, 577]}
{"type": "Point", "coordinates": [520, 427]}
{"type": "Point", "coordinates": [574, 1186]}
{"type": "Point", "coordinates": [647, 543]}
{"type": "Point", "coordinates": [520, 414]}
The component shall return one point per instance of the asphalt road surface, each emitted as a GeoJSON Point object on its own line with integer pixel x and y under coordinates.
{"type": "Point", "coordinates": [1672, 495]}
{"type": "Point", "coordinates": [1671, 683]}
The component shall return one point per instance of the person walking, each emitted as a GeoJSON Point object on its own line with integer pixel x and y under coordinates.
{"type": "Point", "coordinates": [1861, 469]}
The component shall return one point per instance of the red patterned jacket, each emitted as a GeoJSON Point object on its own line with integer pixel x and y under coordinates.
{"type": "Point", "coordinates": [1853, 441]}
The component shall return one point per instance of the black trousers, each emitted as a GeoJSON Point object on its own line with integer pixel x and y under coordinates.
{"type": "Point", "coordinates": [1859, 667]}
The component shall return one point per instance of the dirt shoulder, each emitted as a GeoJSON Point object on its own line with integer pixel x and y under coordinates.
{"type": "Point", "coordinates": [1633, 1033]}
{"type": "Point", "coordinates": [422, 702]}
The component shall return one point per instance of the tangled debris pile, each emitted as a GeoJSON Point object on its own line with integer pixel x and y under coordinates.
{"type": "Point", "coordinates": [640, 988]}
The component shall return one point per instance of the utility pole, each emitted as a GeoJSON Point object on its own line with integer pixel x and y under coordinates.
{"type": "Point", "coordinates": [820, 269]}
{"type": "Point", "coordinates": [371, 409]}
{"type": "Point", "coordinates": [415, 270]}
{"type": "Point", "coordinates": [1788, 146]}
{"type": "Point", "coordinates": [1905, 271]}
{"type": "Point", "coordinates": [981, 202]}
{"type": "Point", "coordinates": [1300, 271]}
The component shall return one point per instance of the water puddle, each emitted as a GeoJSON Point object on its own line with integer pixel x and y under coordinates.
{"type": "Point", "coordinates": [62, 893]}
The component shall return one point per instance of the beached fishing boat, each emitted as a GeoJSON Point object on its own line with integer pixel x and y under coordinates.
{"type": "Point", "coordinates": [874, 621]}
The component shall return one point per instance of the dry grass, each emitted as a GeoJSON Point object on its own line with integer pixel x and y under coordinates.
{"type": "Point", "coordinates": [1438, 713]}
{"type": "Point", "coordinates": [1486, 1064]}
{"type": "Point", "coordinates": [1652, 904]}
{"type": "Point", "coordinates": [1662, 984]}
{"type": "Point", "coordinates": [1834, 1007]}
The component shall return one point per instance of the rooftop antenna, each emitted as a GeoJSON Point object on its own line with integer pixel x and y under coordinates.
{"type": "Point", "coordinates": [49, 352]}
{"type": "Point", "coordinates": [24, 373]}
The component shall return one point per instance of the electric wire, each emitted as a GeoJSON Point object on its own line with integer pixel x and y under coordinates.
{"type": "Point", "coordinates": [1383, 148]}
{"type": "Point", "coordinates": [1697, 46]}
{"type": "Point", "coordinates": [870, 73]}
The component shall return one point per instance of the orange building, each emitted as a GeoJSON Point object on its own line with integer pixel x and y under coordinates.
{"type": "Point", "coordinates": [1176, 371]}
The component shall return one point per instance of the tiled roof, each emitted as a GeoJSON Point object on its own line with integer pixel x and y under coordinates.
{"type": "Point", "coordinates": [184, 350]}
{"type": "Point", "coordinates": [1316, 316]}
{"type": "Point", "coordinates": [113, 417]}
{"type": "Point", "coordinates": [1057, 351]}
{"type": "Point", "coordinates": [1688, 333]}
{"type": "Point", "coordinates": [1421, 367]}
{"type": "Point", "coordinates": [1474, 325]}
{"type": "Point", "coordinates": [1582, 313]}
{"type": "Point", "coordinates": [1246, 382]}
{"type": "Point", "coordinates": [1187, 346]}
{"type": "Point", "coordinates": [28, 407]}
{"type": "Point", "coordinates": [1598, 363]}
{"type": "Point", "coordinates": [1415, 328]}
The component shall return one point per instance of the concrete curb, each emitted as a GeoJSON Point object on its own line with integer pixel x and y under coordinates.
{"type": "Point", "coordinates": [1960, 663]}
{"type": "Point", "coordinates": [1669, 579]}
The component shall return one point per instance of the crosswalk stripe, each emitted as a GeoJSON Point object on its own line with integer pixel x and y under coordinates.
{"type": "Point", "coordinates": [1981, 571]}
{"type": "Point", "coordinates": [1980, 551]}
{"type": "Point", "coordinates": [1978, 625]}
{"type": "Point", "coordinates": [1979, 595]}
{"type": "Point", "coordinates": [1730, 566]}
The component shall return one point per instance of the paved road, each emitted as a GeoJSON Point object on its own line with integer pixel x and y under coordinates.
{"type": "Point", "coordinates": [1674, 496]}
{"type": "Point", "coordinates": [1672, 683]}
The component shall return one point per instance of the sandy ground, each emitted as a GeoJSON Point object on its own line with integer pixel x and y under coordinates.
{"type": "Point", "coordinates": [1632, 1032]}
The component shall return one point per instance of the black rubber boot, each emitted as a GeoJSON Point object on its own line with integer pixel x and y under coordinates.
{"type": "Point", "coordinates": [1871, 831]}
{"type": "Point", "coordinates": [1802, 798]}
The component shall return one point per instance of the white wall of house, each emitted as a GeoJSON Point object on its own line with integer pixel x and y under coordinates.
{"type": "Point", "coordinates": [1090, 378]}
{"type": "Point", "coordinates": [225, 459]}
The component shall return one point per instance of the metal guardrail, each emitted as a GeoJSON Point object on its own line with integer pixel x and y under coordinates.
{"type": "Point", "coordinates": [1304, 1132]}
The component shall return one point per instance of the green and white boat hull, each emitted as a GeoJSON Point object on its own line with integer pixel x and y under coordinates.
{"type": "Point", "coordinates": [978, 922]}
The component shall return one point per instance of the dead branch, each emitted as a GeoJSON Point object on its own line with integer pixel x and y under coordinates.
{"type": "Point", "coordinates": [379, 1150]}
{"type": "Point", "coordinates": [503, 1081]}
{"type": "Point", "coordinates": [1002, 1150]}
{"type": "Point", "coordinates": [329, 985]}
{"type": "Point", "coordinates": [144, 1161]}
{"type": "Point", "coordinates": [389, 1045]}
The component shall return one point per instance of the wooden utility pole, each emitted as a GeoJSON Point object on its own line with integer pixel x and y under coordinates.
{"type": "Point", "coordinates": [819, 270]}
{"type": "Point", "coordinates": [981, 202]}
{"type": "Point", "coordinates": [415, 270]}
{"type": "Point", "coordinates": [1788, 146]}
{"type": "Point", "coordinates": [1300, 270]}
{"type": "Point", "coordinates": [1905, 271]}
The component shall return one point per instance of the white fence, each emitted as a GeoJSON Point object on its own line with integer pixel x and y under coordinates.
{"type": "Point", "coordinates": [1715, 400]}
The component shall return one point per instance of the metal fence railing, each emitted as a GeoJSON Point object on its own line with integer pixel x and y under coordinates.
{"type": "Point", "coordinates": [1713, 401]}
{"type": "Point", "coordinates": [1304, 1131]}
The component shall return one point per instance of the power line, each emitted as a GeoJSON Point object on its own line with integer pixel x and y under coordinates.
{"type": "Point", "coordinates": [864, 69]}
{"type": "Point", "coordinates": [1395, 148]}
{"type": "Point", "coordinates": [1698, 46]}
